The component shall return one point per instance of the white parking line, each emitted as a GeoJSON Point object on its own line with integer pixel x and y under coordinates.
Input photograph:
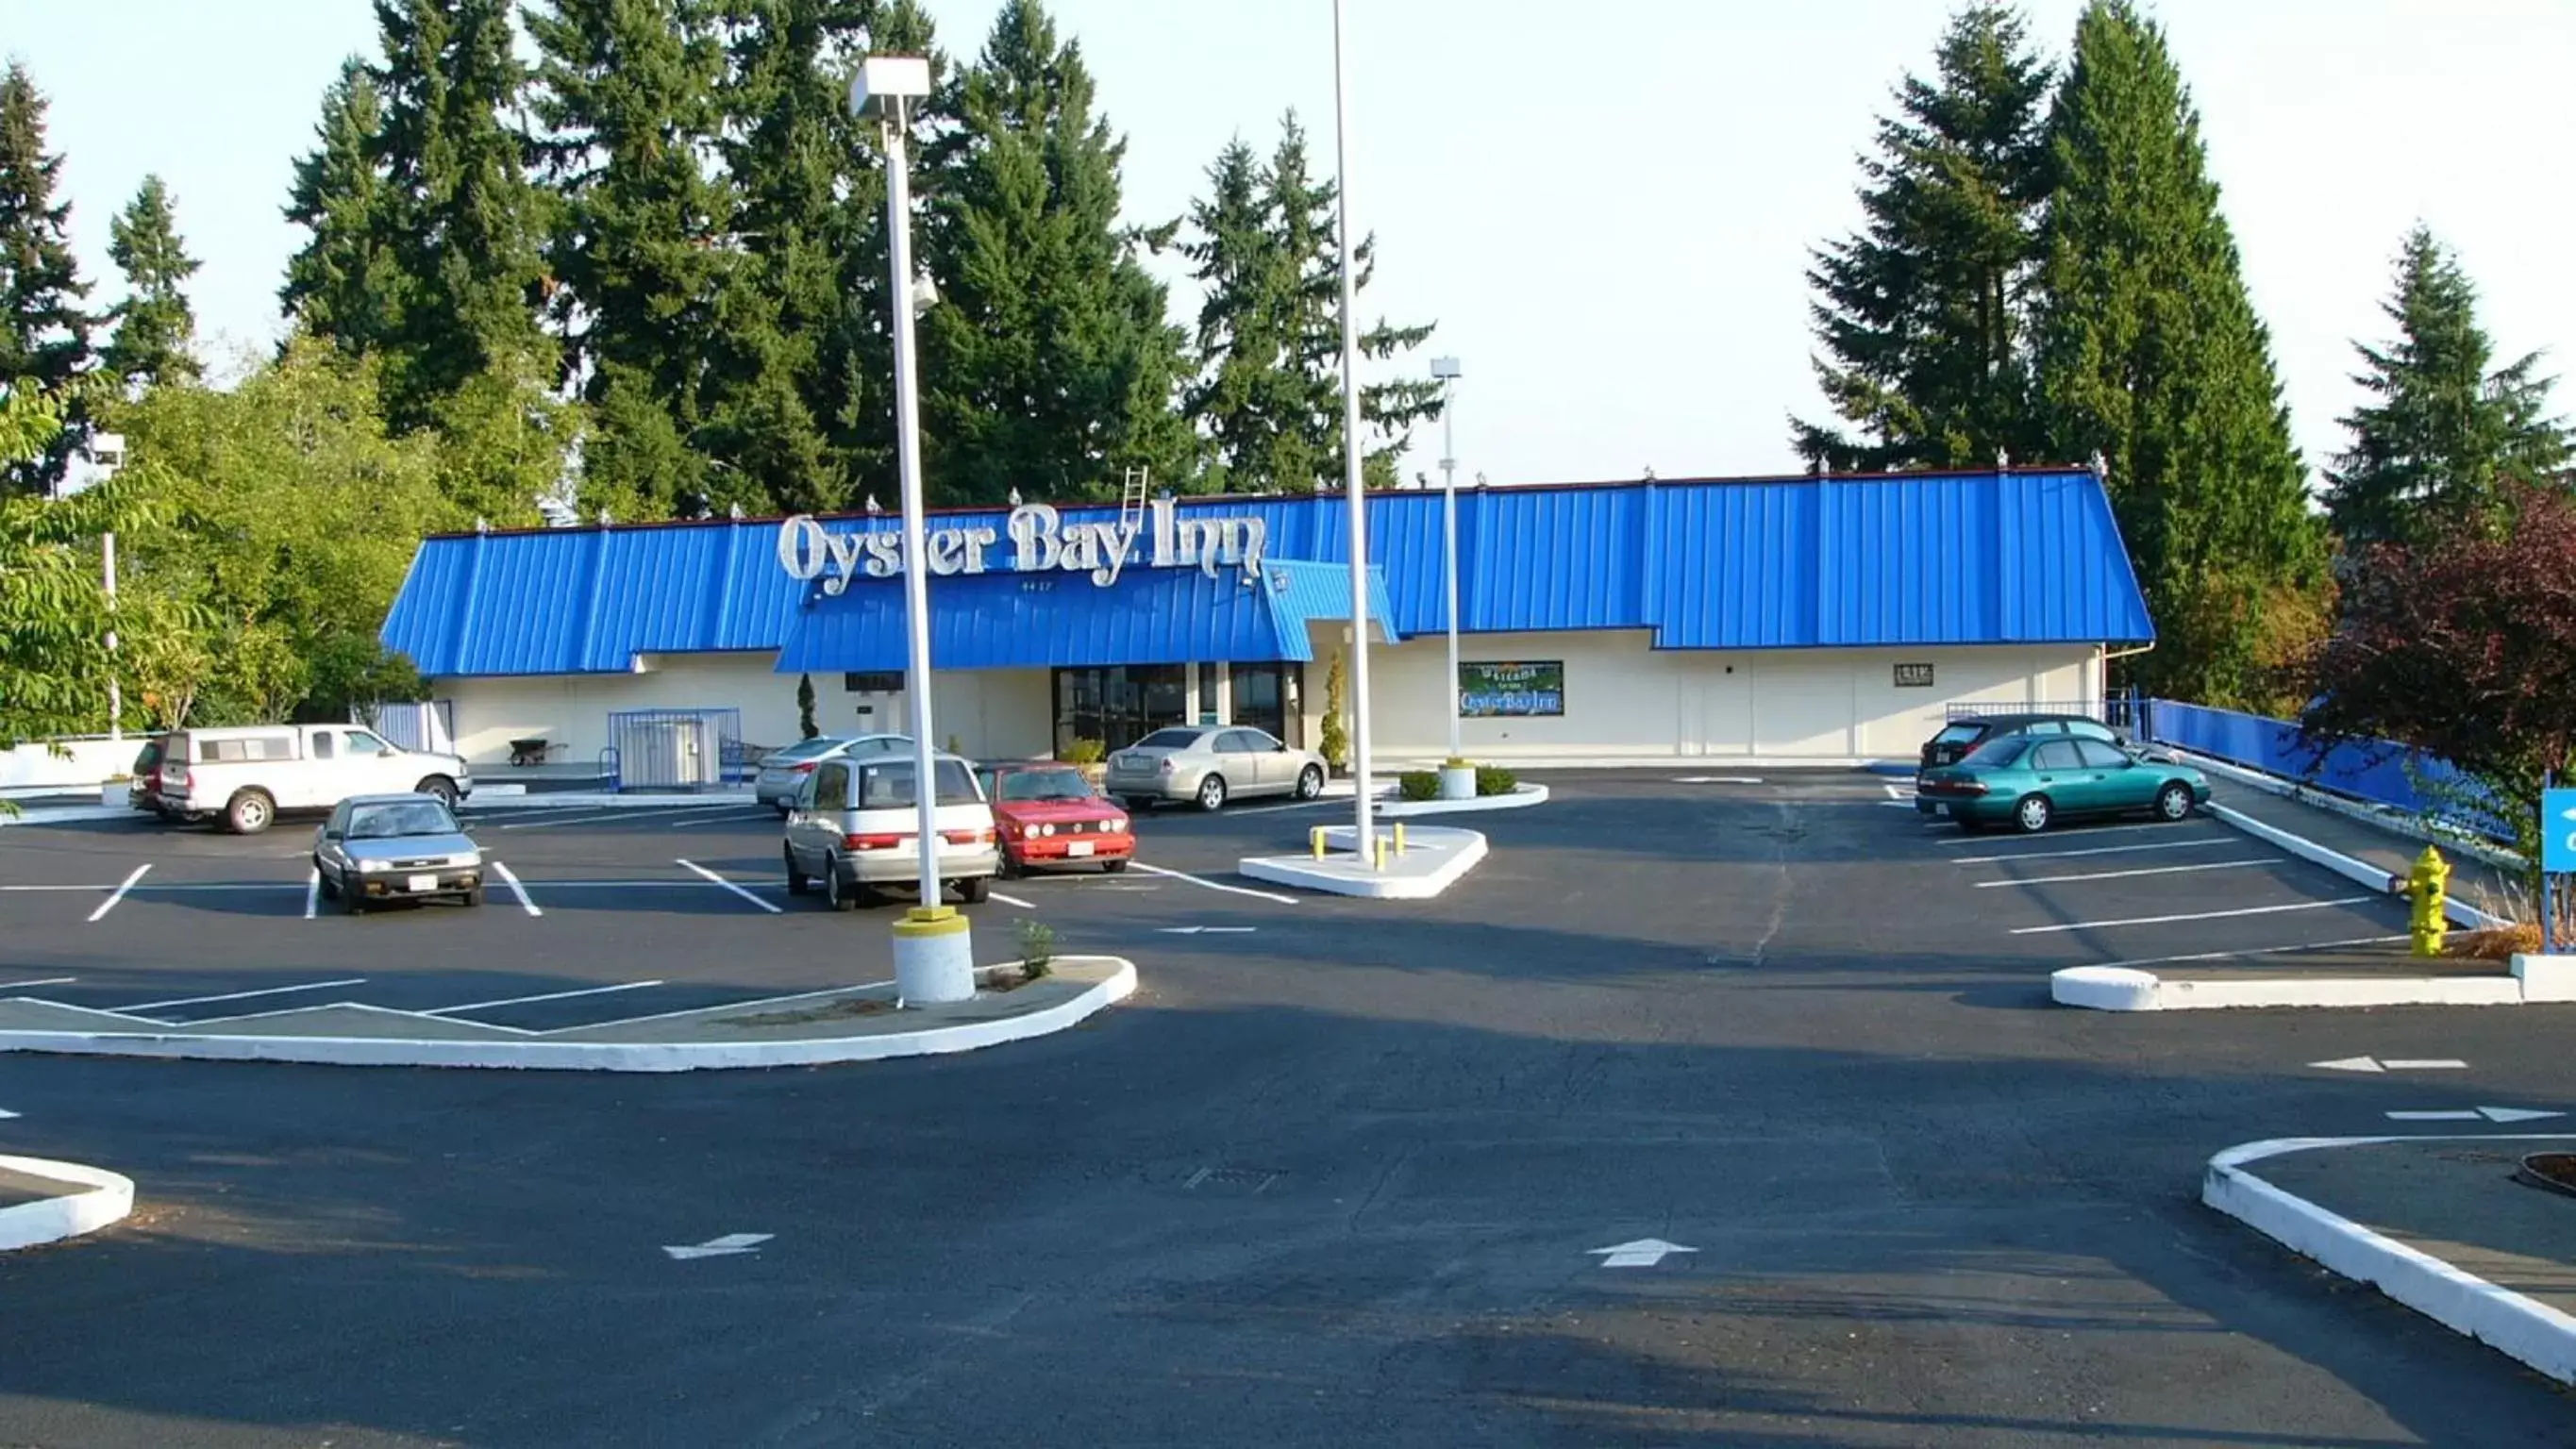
{"type": "Point", "coordinates": [722, 1006]}
{"type": "Point", "coordinates": [2086, 833]}
{"type": "Point", "coordinates": [729, 885]}
{"type": "Point", "coordinates": [1217, 886]}
{"type": "Point", "coordinates": [2265, 951]}
{"type": "Point", "coordinates": [516, 889]}
{"type": "Point", "coordinates": [109, 904]}
{"type": "Point", "coordinates": [609, 815]}
{"type": "Point", "coordinates": [768, 815]}
{"type": "Point", "coordinates": [2040, 880]}
{"type": "Point", "coordinates": [2195, 916]}
{"type": "Point", "coordinates": [1014, 901]}
{"type": "Point", "coordinates": [2230, 839]}
{"type": "Point", "coordinates": [42, 981]}
{"type": "Point", "coordinates": [312, 893]}
{"type": "Point", "coordinates": [541, 996]}
{"type": "Point", "coordinates": [242, 995]}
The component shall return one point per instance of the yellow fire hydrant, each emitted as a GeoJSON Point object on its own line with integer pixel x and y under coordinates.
{"type": "Point", "coordinates": [2426, 886]}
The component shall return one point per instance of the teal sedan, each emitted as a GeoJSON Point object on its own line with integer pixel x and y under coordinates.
{"type": "Point", "coordinates": [2029, 782]}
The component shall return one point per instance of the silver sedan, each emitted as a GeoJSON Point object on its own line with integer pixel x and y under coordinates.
{"type": "Point", "coordinates": [1211, 764]}
{"type": "Point", "coordinates": [784, 772]}
{"type": "Point", "coordinates": [378, 848]}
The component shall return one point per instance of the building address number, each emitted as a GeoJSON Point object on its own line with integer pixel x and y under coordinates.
{"type": "Point", "coordinates": [1914, 676]}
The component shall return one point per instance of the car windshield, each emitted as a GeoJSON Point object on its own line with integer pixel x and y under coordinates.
{"type": "Point", "coordinates": [1170, 740]}
{"type": "Point", "coordinates": [806, 750]}
{"type": "Point", "coordinates": [889, 786]}
{"type": "Point", "coordinates": [411, 817]}
{"type": "Point", "coordinates": [1045, 785]}
{"type": "Point", "coordinates": [1997, 753]}
{"type": "Point", "coordinates": [1959, 733]}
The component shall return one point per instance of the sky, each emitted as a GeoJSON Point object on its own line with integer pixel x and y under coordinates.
{"type": "Point", "coordinates": [1610, 230]}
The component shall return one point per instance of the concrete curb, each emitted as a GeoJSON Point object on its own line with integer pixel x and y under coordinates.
{"type": "Point", "coordinates": [2360, 872]}
{"type": "Point", "coordinates": [602, 800]}
{"type": "Point", "coordinates": [107, 1199]}
{"type": "Point", "coordinates": [2377, 817]}
{"type": "Point", "coordinates": [1343, 876]}
{"type": "Point", "coordinates": [682, 1056]}
{"type": "Point", "coordinates": [2123, 988]}
{"type": "Point", "coordinates": [1521, 797]}
{"type": "Point", "coordinates": [70, 815]}
{"type": "Point", "coordinates": [2530, 1331]}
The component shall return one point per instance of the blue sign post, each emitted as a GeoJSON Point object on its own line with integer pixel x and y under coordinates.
{"type": "Point", "coordinates": [2557, 857]}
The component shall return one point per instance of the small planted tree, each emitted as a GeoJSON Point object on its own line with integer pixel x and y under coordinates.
{"type": "Point", "coordinates": [1337, 736]}
{"type": "Point", "coordinates": [805, 706]}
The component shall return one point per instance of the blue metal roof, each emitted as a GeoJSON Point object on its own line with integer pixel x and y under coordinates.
{"type": "Point", "coordinates": [2019, 556]}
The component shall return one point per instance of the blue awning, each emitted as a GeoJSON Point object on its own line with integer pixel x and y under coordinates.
{"type": "Point", "coordinates": [1024, 621]}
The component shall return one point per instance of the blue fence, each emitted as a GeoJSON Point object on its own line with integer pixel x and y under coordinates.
{"type": "Point", "coordinates": [2378, 771]}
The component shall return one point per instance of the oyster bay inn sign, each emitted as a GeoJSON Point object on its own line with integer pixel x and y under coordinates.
{"type": "Point", "coordinates": [1039, 541]}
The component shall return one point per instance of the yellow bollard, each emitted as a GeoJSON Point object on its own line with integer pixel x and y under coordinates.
{"type": "Point", "coordinates": [1315, 840]}
{"type": "Point", "coordinates": [1399, 837]}
{"type": "Point", "coordinates": [1379, 841]}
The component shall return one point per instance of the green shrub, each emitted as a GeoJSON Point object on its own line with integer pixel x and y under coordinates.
{"type": "Point", "coordinates": [1037, 948]}
{"type": "Point", "coordinates": [1495, 780]}
{"type": "Point", "coordinates": [1086, 752]}
{"type": "Point", "coordinates": [1418, 785]}
{"type": "Point", "coordinates": [1335, 746]}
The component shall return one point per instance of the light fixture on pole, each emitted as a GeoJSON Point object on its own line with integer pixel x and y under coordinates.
{"type": "Point", "coordinates": [934, 955]}
{"type": "Point", "coordinates": [1363, 838]}
{"type": "Point", "coordinates": [1447, 370]}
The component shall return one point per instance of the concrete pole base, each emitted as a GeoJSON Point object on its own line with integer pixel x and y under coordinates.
{"type": "Point", "coordinates": [1457, 782]}
{"type": "Point", "coordinates": [934, 956]}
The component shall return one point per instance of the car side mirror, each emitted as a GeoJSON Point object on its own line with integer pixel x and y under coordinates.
{"type": "Point", "coordinates": [1279, 748]}
{"type": "Point", "coordinates": [387, 753]}
{"type": "Point", "coordinates": [330, 834]}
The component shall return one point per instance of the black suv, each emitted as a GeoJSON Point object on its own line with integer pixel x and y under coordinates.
{"type": "Point", "coordinates": [1960, 736]}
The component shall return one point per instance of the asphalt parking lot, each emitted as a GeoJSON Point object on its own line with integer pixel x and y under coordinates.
{"type": "Point", "coordinates": [1342, 1170]}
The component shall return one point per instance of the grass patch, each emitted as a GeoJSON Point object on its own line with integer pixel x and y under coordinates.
{"type": "Point", "coordinates": [2495, 943]}
{"type": "Point", "coordinates": [846, 1009]}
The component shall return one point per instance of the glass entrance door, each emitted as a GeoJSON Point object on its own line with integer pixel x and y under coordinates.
{"type": "Point", "coordinates": [1119, 704]}
{"type": "Point", "coordinates": [1265, 697]}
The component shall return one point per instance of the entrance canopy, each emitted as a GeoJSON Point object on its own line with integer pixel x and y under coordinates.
{"type": "Point", "coordinates": [1013, 620]}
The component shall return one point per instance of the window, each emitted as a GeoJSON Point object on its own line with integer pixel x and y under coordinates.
{"type": "Point", "coordinates": [2085, 729]}
{"type": "Point", "coordinates": [832, 786]}
{"type": "Point", "coordinates": [388, 822]}
{"type": "Point", "coordinates": [322, 747]}
{"type": "Point", "coordinates": [1257, 742]}
{"type": "Point", "coordinates": [1170, 740]}
{"type": "Point", "coordinates": [1998, 752]}
{"type": "Point", "coordinates": [1119, 705]}
{"type": "Point", "coordinates": [242, 749]}
{"type": "Point", "coordinates": [1044, 785]}
{"type": "Point", "coordinates": [873, 681]}
{"type": "Point", "coordinates": [1236, 742]}
{"type": "Point", "coordinates": [1264, 697]}
{"type": "Point", "coordinates": [2054, 755]}
{"type": "Point", "coordinates": [363, 743]}
{"type": "Point", "coordinates": [1959, 734]}
{"type": "Point", "coordinates": [2100, 756]}
{"type": "Point", "coordinates": [889, 786]}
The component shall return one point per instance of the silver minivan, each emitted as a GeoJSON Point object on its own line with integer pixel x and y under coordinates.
{"type": "Point", "coordinates": [853, 828]}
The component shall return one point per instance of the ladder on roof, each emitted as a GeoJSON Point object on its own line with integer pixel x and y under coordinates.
{"type": "Point", "coordinates": [1131, 498]}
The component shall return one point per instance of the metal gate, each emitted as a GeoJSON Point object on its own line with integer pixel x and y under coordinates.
{"type": "Point", "coordinates": [673, 749]}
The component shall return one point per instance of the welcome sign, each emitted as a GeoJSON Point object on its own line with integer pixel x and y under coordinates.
{"type": "Point", "coordinates": [1040, 541]}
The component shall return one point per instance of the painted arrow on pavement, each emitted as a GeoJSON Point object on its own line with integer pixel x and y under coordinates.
{"type": "Point", "coordinates": [2473, 1114]}
{"type": "Point", "coordinates": [1643, 1253]}
{"type": "Point", "coordinates": [725, 1246]}
{"type": "Point", "coordinates": [1716, 780]}
{"type": "Point", "coordinates": [1208, 930]}
{"type": "Point", "coordinates": [2393, 1064]}
{"type": "Point", "coordinates": [6, 1114]}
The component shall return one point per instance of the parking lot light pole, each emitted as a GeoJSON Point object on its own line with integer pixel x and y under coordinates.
{"type": "Point", "coordinates": [1446, 369]}
{"type": "Point", "coordinates": [1363, 839]}
{"type": "Point", "coordinates": [934, 954]}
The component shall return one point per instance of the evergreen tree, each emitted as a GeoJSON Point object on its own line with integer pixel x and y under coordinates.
{"type": "Point", "coordinates": [2445, 435]}
{"type": "Point", "coordinates": [154, 326]}
{"type": "Point", "coordinates": [1049, 365]}
{"type": "Point", "coordinates": [344, 283]}
{"type": "Point", "coordinates": [1920, 313]}
{"type": "Point", "coordinates": [466, 224]}
{"type": "Point", "coordinates": [1269, 341]}
{"type": "Point", "coordinates": [628, 99]}
{"type": "Point", "coordinates": [2150, 356]}
{"type": "Point", "coordinates": [44, 333]}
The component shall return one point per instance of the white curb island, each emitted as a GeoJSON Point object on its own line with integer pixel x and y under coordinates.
{"type": "Point", "coordinates": [94, 1198]}
{"type": "Point", "coordinates": [1433, 860]}
{"type": "Point", "coordinates": [1519, 797]}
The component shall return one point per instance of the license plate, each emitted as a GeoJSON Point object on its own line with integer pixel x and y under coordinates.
{"type": "Point", "coordinates": [421, 883]}
{"type": "Point", "coordinates": [1939, 809]}
{"type": "Point", "coordinates": [1077, 847]}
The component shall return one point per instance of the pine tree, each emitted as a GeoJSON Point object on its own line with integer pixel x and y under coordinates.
{"type": "Point", "coordinates": [1920, 314]}
{"type": "Point", "coordinates": [344, 283]}
{"type": "Point", "coordinates": [627, 96]}
{"type": "Point", "coordinates": [1269, 342]}
{"type": "Point", "coordinates": [2446, 434]}
{"type": "Point", "coordinates": [2150, 356]}
{"type": "Point", "coordinates": [155, 327]}
{"type": "Point", "coordinates": [465, 223]}
{"type": "Point", "coordinates": [44, 333]}
{"type": "Point", "coordinates": [1049, 365]}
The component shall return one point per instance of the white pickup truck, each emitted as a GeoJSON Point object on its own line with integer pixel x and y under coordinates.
{"type": "Point", "coordinates": [248, 774]}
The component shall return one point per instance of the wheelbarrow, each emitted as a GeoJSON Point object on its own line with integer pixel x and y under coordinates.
{"type": "Point", "coordinates": [528, 752]}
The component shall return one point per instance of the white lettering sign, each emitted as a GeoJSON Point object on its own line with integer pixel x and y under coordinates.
{"type": "Point", "coordinates": [1041, 541]}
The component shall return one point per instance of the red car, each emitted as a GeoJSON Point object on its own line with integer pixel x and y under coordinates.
{"type": "Point", "coordinates": [1050, 818]}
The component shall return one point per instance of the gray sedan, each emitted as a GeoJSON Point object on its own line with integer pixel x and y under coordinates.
{"type": "Point", "coordinates": [783, 773]}
{"type": "Point", "coordinates": [1211, 764]}
{"type": "Point", "coordinates": [378, 848]}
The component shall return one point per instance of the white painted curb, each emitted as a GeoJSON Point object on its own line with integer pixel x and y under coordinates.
{"type": "Point", "coordinates": [71, 814]}
{"type": "Point", "coordinates": [1310, 874]}
{"type": "Point", "coordinates": [2533, 1332]}
{"type": "Point", "coordinates": [584, 1056]}
{"type": "Point", "coordinates": [110, 1196]}
{"type": "Point", "coordinates": [1521, 797]}
{"type": "Point", "coordinates": [2122, 988]}
{"type": "Point", "coordinates": [2360, 872]}
{"type": "Point", "coordinates": [603, 800]}
{"type": "Point", "coordinates": [2378, 817]}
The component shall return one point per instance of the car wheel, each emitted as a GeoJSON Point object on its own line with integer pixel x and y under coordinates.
{"type": "Point", "coordinates": [1310, 783]}
{"type": "Point", "coordinates": [439, 786]}
{"type": "Point", "coordinates": [473, 896]}
{"type": "Point", "coordinates": [973, 889]}
{"type": "Point", "coordinates": [353, 901]}
{"type": "Point", "coordinates": [838, 896]}
{"type": "Point", "coordinates": [1112, 867]}
{"type": "Point", "coordinates": [798, 882]}
{"type": "Point", "coordinates": [2033, 814]}
{"type": "Point", "coordinates": [1005, 867]}
{"type": "Point", "coordinates": [2174, 802]}
{"type": "Point", "coordinates": [1211, 794]}
{"type": "Point", "coordinates": [250, 812]}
